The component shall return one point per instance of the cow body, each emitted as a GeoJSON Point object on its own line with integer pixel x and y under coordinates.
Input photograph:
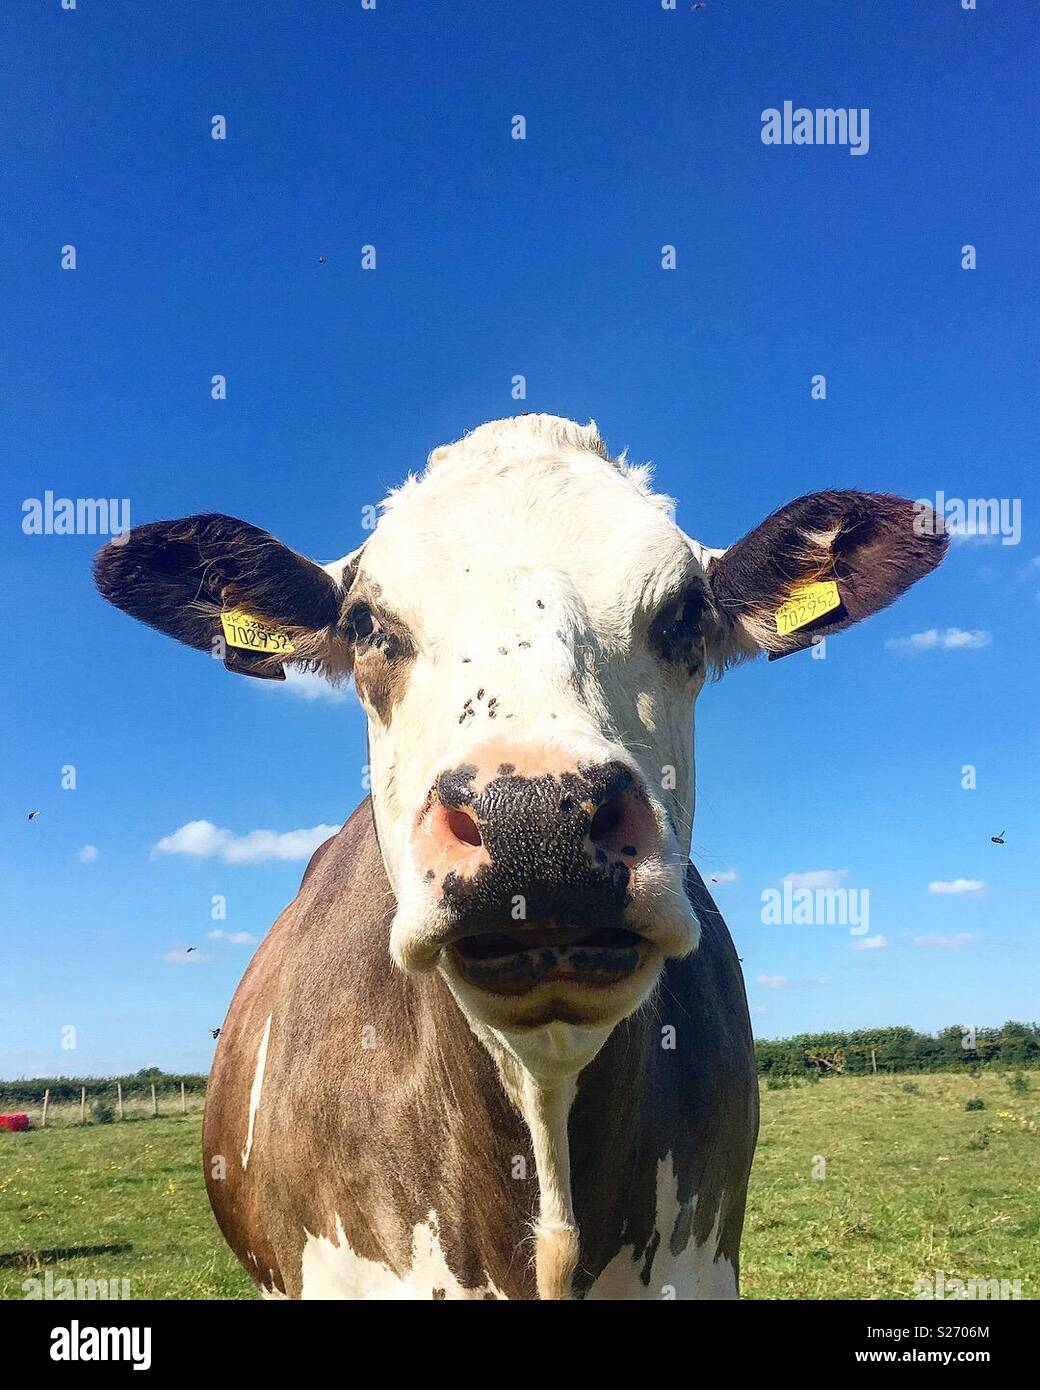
{"type": "Point", "coordinates": [499, 1046]}
{"type": "Point", "coordinates": [370, 1149]}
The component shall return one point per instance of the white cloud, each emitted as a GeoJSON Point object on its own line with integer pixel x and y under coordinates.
{"type": "Point", "coordinates": [957, 885]}
{"type": "Point", "coordinates": [946, 943]}
{"type": "Point", "coordinates": [968, 530]}
{"type": "Point", "coordinates": [237, 938]}
{"type": "Point", "coordinates": [948, 640]}
{"type": "Point", "coordinates": [203, 840]}
{"type": "Point", "coordinates": [87, 854]}
{"type": "Point", "coordinates": [759, 1009]}
{"type": "Point", "coordinates": [785, 982]}
{"type": "Point", "coordinates": [199, 837]}
{"type": "Point", "coordinates": [179, 955]}
{"type": "Point", "coordinates": [308, 685]}
{"type": "Point", "coordinates": [869, 943]}
{"type": "Point", "coordinates": [723, 877]}
{"type": "Point", "coordinates": [816, 878]}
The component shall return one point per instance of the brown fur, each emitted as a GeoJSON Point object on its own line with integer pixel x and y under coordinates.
{"type": "Point", "coordinates": [381, 666]}
{"type": "Point", "coordinates": [866, 541]}
{"type": "Point", "coordinates": [422, 1122]}
{"type": "Point", "coordinates": [178, 576]}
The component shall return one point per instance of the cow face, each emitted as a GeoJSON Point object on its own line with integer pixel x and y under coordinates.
{"type": "Point", "coordinates": [528, 631]}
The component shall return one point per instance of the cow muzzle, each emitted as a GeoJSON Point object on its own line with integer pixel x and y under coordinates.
{"type": "Point", "coordinates": [539, 873]}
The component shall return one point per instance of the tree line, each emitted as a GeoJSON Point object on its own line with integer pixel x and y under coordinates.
{"type": "Point", "coordinates": [823, 1054]}
{"type": "Point", "coordinates": [899, 1049]}
{"type": "Point", "coordinates": [67, 1088]}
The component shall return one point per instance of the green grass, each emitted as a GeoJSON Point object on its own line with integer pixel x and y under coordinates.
{"type": "Point", "coordinates": [914, 1182]}
{"type": "Point", "coordinates": [134, 1187]}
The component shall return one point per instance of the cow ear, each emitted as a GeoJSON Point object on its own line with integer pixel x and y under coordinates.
{"type": "Point", "coordinates": [182, 576]}
{"type": "Point", "coordinates": [860, 550]}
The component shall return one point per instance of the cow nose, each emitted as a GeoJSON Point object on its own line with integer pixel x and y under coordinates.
{"type": "Point", "coordinates": [512, 842]}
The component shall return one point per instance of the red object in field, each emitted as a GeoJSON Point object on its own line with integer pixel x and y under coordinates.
{"type": "Point", "coordinates": [13, 1122]}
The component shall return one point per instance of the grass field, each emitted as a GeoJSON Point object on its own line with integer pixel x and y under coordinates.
{"type": "Point", "coordinates": [129, 1198]}
{"type": "Point", "coordinates": [913, 1182]}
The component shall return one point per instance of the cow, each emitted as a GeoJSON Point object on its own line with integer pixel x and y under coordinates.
{"type": "Point", "coordinates": [498, 1046]}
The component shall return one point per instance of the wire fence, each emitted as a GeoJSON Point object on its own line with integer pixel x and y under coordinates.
{"type": "Point", "coordinates": [117, 1107]}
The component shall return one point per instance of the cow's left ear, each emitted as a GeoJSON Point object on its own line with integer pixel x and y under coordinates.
{"type": "Point", "coordinates": [226, 587]}
{"type": "Point", "coordinates": [821, 564]}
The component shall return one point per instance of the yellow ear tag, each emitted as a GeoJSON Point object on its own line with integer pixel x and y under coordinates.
{"type": "Point", "coordinates": [253, 634]}
{"type": "Point", "coordinates": [807, 602]}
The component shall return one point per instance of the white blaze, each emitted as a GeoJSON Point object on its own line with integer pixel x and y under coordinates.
{"type": "Point", "coordinates": [256, 1089]}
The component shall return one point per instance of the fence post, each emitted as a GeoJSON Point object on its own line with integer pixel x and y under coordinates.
{"type": "Point", "coordinates": [82, 1104]}
{"type": "Point", "coordinates": [119, 1098]}
{"type": "Point", "coordinates": [46, 1102]}
{"type": "Point", "coordinates": [873, 1061]}
{"type": "Point", "coordinates": [184, 1108]}
{"type": "Point", "coordinates": [155, 1103]}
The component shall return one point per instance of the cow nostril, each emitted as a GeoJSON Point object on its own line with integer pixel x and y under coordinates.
{"type": "Point", "coordinates": [463, 826]}
{"type": "Point", "coordinates": [606, 821]}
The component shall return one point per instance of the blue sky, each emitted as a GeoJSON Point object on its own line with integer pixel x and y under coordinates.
{"type": "Point", "coordinates": [496, 257]}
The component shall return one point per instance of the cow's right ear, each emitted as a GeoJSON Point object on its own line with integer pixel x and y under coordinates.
{"type": "Point", "coordinates": [201, 578]}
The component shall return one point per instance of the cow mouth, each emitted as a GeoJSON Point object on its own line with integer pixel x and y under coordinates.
{"type": "Point", "coordinates": [515, 962]}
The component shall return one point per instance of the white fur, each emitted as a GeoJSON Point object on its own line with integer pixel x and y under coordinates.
{"type": "Point", "coordinates": [528, 564]}
{"type": "Point", "coordinates": [256, 1090]}
{"type": "Point", "coordinates": [332, 1270]}
{"type": "Point", "coordinates": [698, 1272]}
{"type": "Point", "coordinates": [523, 512]}
{"type": "Point", "coordinates": [539, 1070]}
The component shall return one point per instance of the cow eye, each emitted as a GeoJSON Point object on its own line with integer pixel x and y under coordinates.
{"type": "Point", "coordinates": [676, 632]}
{"type": "Point", "coordinates": [361, 623]}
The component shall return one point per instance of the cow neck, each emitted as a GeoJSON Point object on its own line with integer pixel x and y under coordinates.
{"type": "Point", "coordinates": [539, 1071]}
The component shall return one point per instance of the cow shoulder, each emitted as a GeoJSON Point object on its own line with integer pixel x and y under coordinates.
{"type": "Point", "coordinates": [374, 1122]}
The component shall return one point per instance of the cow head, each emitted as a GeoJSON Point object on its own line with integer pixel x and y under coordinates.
{"type": "Point", "coordinates": [528, 631]}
